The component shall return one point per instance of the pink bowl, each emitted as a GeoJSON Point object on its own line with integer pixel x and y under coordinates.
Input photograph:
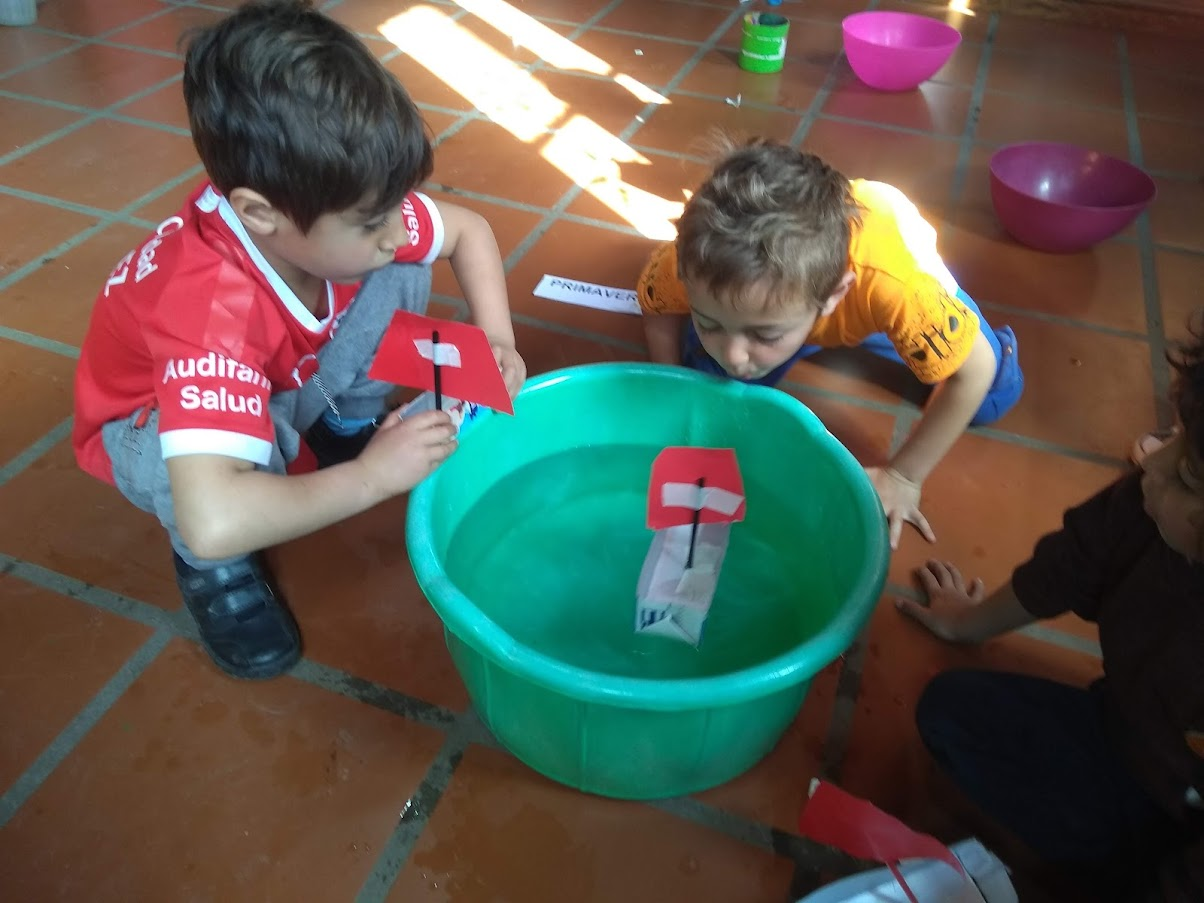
{"type": "Point", "coordinates": [897, 51]}
{"type": "Point", "coordinates": [1062, 198]}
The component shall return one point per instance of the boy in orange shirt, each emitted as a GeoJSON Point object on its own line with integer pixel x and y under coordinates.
{"type": "Point", "coordinates": [778, 255]}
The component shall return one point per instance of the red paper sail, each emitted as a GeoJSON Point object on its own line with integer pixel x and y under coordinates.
{"type": "Point", "coordinates": [674, 494]}
{"type": "Point", "coordinates": [849, 823]}
{"type": "Point", "coordinates": [468, 370]}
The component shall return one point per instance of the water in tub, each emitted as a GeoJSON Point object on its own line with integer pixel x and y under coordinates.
{"type": "Point", "coordinates": [552, 553]}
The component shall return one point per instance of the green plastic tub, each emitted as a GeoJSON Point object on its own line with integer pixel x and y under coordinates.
{"type": "Point", "coordinates": [528, 542]}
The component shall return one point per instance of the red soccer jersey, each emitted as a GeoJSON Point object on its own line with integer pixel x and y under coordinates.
{"type": "Point", "coordinates": [197, 323]}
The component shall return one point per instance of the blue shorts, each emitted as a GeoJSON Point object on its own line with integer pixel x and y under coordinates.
{"type": "Point", "coordinates": [1005, 391]}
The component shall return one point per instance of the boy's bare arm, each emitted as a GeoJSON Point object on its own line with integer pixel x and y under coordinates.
{"type": "Point", "coordinates": [953, 406]}
{"type": "Point", "coordinates": [469, 244]}
{"type": "Point", "coordinates": [224, 507]}
{"type": "Point", "coordinates": [662, 333]}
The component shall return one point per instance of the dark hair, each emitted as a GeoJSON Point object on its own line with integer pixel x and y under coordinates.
{"type": "Point", "coordinates": [289, 103]}
{"type": "Point", "coordinates": [1187, 389]}
{"type": "Point", "coordinates": [770, 215]}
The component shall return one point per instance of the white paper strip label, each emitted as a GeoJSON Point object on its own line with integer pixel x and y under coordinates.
{"type": "Point", "coordinates": [587, 294]}
{"type": "Point", "coordinates": [445, 354]}
{"type": "Point", "coordinates": [696, 498]}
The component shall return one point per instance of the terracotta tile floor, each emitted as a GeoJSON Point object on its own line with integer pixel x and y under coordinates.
{"type": "Point", "coordinates": [131, 770]}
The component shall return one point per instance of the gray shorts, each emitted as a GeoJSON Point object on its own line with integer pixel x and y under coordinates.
{"type": "Point", "coordinates": [132, 443]}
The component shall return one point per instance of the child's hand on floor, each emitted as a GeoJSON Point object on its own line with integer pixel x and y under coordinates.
{"type": "Point", "coordinates": [514, 371]}
{"type": "Point", "coordinates": [950, 602]}
{"type": "Point", "coordinates": [901, 502]}
{"type": "Point", "coordinates": [403, 453]}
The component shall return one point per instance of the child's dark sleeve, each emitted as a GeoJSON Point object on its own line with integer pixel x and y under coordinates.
{"type": "Point", "coordinates": [1181, 874]}
{"type": "Point", "coordinates": [1071, 569]}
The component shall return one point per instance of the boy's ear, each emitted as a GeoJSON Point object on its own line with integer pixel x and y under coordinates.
{"type": "Point", "coordinates": [842, 289]}
{"type": "Point", "coordinates": [255, 211]}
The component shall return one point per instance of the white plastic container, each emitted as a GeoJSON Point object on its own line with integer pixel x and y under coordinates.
{"type": "Point", "coordinates": [18, 12]}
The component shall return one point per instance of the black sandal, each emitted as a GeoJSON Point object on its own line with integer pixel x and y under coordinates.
{"type": "Point", "coordinates": [244, 626]}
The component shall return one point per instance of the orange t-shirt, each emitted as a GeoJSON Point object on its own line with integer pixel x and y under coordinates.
{"type": "Point", "coordinates": [900, 288]}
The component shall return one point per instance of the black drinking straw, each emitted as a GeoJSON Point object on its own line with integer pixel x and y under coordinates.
{"type": "Point", "coordinates": [694, 527]}
{"type": "Point", "coordinates": [438, 372]}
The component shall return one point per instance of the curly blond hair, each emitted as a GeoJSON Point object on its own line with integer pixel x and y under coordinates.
{"type": "Point", "coordinates": [768, 216]}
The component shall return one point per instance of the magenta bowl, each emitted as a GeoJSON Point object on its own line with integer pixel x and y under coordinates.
{"type": "Point", "coordinates": [897, 51]}
{"type": "Point", "coordinates": [1063, 198]}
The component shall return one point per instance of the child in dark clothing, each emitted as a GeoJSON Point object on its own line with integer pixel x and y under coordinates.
{"type": "Point", "coordinates": [1110, 778]}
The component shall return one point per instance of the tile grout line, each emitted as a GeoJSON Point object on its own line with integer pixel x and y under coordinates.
{"type": "Point", "coordinates": [413, 820]}
{"type": "Point", "coordinates": [84, 41]}
{"type": "Point", "coordinates": [343, 683]}
{"type": "Point", "coordinates": [31, 453]}
{"type": "Point", "coordinates": [42, 344]}
{"type": "Point", "coordinates": [756, 834]}
{"type": "Point", "coordinates": [92, 116]}
{"type": "Point", "coordinates": [1042, 445]}
{"type": "Point", "coordinates": [844, 707]}
{"type": "Point", "coordinates": [45, 58]}
{"type": "Point", "coordinates": [691, 809]}
{"type": "Point", "coordinates": [818, 101]}
{"type": "Point", "coordinates": [98, 41]}
{"type": "Point", "coordinates": [977, 98]}
{"type": "Point", "coordinates": [1156, 329]}
{"type": "Point", "coordinates": [124, 607]}
{"type": "Point", "coordinates": [1059, 320]}
{"type": "Point", "coordinates": [133, 23]}
{"type": "Point", "coordinates": [812, 113]}
{"type": "Point", "coordinates": [77, 729]}
{"type": "Point", "coordinates": [902, 428]}
{"type": "Point", "coordinates": [51, 201]}
{"type": "Point", "coordinates": [40, 260]}
{"type": "Point", "coordinates": [461, 729]}
{"type": "Point", "coordinates": [1061, 639]}
{"type": "Point", "coordinates": [179, 624]}
{"type": "Point", "coordinates": [123, 215]}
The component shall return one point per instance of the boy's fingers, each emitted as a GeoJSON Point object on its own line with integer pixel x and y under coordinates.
{"type": "Point", "coordinates": [977, 589]}
{"type": "Point", "coordinates": [928, 580]}
{"type": "Point", "coordinates": [921, 523]}
{"type": "Point", "coordinates": [896, 530]}
{"type": "Point", "coordinates": [428, 419]}
{"type": "Point", "coordinates": [956, 578]}
{"type": "Point", "coordinates": [940, 571]}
